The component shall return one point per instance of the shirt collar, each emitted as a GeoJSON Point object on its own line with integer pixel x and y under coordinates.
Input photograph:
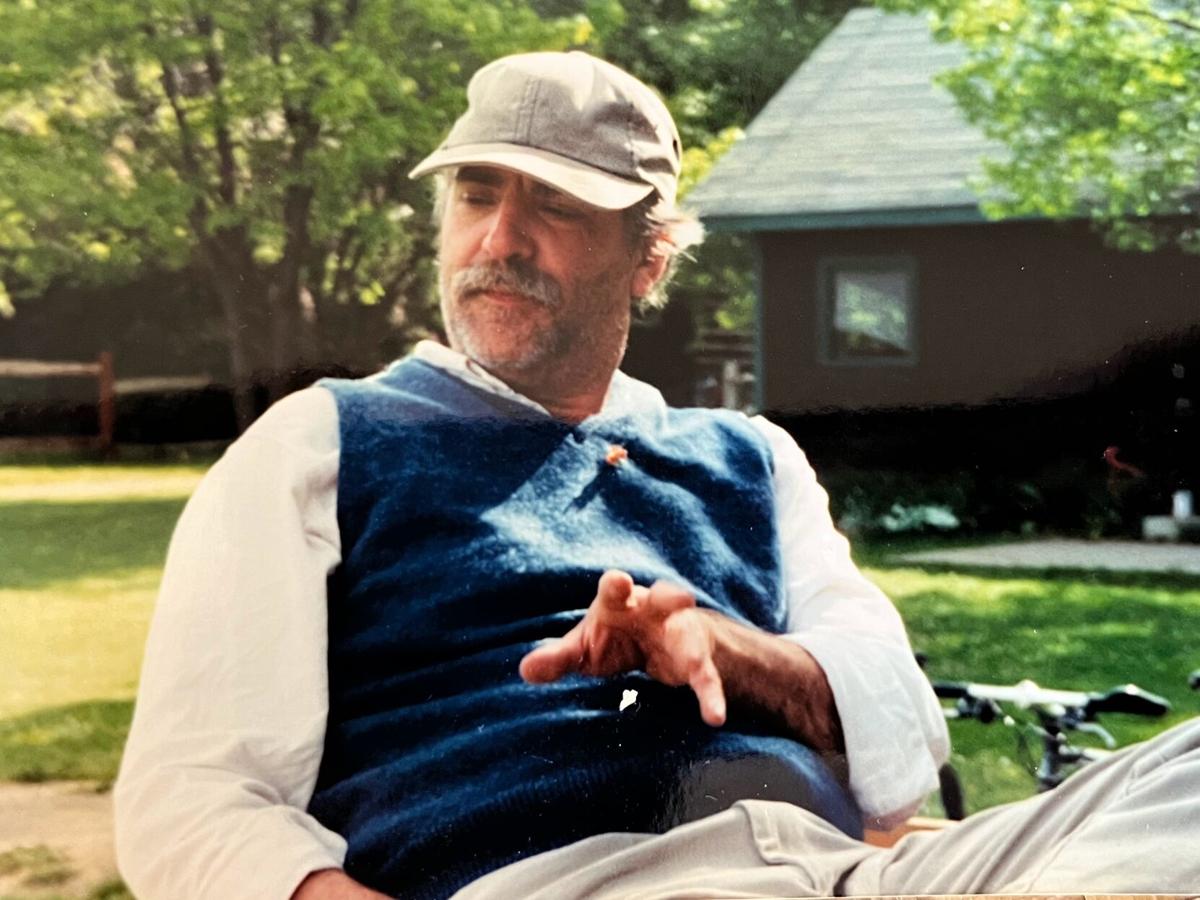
{"type": "Point", "coordinates": [625, 394]}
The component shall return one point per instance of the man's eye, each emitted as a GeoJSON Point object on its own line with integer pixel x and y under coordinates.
{"type": "Point", "coordinates": [475, 198]}
{"type": "Point", "coordinates": [558, 211]}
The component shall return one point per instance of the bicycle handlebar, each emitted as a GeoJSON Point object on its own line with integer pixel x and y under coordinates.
{"type": "Point", "coordinates": [1057, 713]}
{"type": "Point", "coordinates": [1128, 699]}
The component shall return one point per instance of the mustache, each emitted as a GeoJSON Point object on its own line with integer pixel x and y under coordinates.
{"type": "Point", "coordinates": [515, 277]}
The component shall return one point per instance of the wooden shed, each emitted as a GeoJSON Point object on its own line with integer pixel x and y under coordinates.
{"type": "Point", "coordinates": [881, 283]}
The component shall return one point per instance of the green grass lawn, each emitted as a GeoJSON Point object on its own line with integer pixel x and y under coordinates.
{"type": "Point", "coordinates": [80, 560]}
{"type": "Point", "coordinates": [1075, 630]}
{"type": "Point", "coordinates": [83, 546]}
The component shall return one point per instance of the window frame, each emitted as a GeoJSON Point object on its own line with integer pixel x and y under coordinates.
{"type": "Point", "coordinates": [828, 268]}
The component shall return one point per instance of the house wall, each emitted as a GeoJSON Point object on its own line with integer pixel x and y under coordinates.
{"type": "Point", "coordinates": [1019, 310]}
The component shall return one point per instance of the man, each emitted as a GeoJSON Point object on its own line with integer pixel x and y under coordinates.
{"type": "Point", "coordinates": [499, 603]}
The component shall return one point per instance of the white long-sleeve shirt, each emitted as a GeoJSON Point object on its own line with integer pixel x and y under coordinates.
{"type": "Point", "coordinates": [228, 731]}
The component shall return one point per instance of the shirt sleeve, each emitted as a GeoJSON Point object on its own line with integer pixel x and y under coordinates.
{"type": "Point", "coordinates": [895, 733]}
{"type": "Point", "coordinates": [229, 725]}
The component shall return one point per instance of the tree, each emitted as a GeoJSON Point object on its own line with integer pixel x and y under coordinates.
{"type": "Point", "coordinates": [1097, 103]}
{"type": "Point", "coordinates": [264, 142]}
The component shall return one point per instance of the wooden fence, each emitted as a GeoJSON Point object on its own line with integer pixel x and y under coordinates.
{"type": "Point", "coordinates": [108, 386]}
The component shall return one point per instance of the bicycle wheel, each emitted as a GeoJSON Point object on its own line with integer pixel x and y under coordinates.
{"type": "Point", "coordinates": [951, 791]}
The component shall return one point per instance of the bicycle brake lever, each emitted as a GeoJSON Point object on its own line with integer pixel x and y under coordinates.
{"type": "Point", "coordinates": [1099, 731]}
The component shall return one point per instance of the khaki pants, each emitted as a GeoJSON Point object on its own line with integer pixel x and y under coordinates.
{"type": "Point", "coordinates": [1128, 824]}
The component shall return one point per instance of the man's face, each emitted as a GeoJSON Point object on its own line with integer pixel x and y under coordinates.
{"type": "Point", "coordinates": [535, 284]}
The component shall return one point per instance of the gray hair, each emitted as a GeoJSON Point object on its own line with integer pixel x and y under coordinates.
{"type": "Point", "coordinates": [651, 225]}
{"type": "Point", "coordinates": [654, 224]}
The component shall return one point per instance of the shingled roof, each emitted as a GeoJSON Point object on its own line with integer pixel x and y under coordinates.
{"type": "Point", "coordinates": [859, 136]}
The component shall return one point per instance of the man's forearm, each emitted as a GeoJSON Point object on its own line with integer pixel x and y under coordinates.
{"type": "Point", "coordinates": [766, 675]}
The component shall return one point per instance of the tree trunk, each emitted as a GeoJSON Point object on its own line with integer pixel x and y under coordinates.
{"type": "Point", "coordinates": [235, 292]}
{"type": "Point", "coordinates": [292, 338]}
{"type": "Point", "coordinates": [241, 371]}
{"type": "Point", "coordinates": [292, 344]}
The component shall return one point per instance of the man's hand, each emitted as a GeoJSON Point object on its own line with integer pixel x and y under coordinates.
{"type": "Point", "coordinates": [334, 884]}
{"type": "Point", "coordinates": [661, 631]}
{"type": "Point", "coordinates": [657, 629]}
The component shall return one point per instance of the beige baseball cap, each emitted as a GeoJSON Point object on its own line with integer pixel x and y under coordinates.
{"type": "Point", "coordinates": [570, 120]}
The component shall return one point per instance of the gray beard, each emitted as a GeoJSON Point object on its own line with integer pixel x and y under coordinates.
{"type": "Point", "coordinates": [559, 350]}
{"type": "Point", "coordinates": [540, 348]}
{"type": "Point", "coordinates": [515, 277]}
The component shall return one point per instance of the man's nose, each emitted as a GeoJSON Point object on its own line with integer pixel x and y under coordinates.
{"type": "Point", "coordinates": [508, 234]}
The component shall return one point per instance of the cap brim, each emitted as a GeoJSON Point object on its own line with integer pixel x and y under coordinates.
{"type": "Point", "coordinates": [594, 186]}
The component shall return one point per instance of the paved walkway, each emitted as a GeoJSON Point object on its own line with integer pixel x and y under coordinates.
{"type": "Point", "coordinates": [68, 824]}
{"type": "Point", "coordinates": [1118, 556]}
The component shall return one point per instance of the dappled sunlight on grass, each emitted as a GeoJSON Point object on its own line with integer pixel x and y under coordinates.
{"type": "Point", "coordinates": [78, 641]}
{"type": "Point", "coordinates": [1082, 631]}
{"type": "Point", "coordinates": [78, 577]}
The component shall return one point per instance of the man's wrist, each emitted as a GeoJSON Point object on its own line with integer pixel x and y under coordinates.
{"type": "Point", "coordinates": [767, 675]}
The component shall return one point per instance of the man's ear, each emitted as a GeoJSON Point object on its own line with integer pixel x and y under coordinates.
{"type": "Point", "coordinates": [651, 269]}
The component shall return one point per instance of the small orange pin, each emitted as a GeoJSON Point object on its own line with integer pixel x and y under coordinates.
{"type": "Point", "coordinates": [616, 455]}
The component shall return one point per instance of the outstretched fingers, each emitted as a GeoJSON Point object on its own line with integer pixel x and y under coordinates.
{"type": "Point", "coordinates": [554, 659]}
{"type": "Point", "coordinates": [705, 682]}
{"type": "Point", "coordinates": [689, 644]}
{"type": "Point", "coordinates": [585, 647]}
{"type": "Point", "coordinates": [629, 627]}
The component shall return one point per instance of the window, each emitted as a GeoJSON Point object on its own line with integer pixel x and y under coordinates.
{"type": "Point", "coordinates": [867, 311]}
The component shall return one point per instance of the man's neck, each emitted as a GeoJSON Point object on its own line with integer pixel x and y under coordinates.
{"type": "Point", "coordinates": [568, 406]}
{"type": "Point", "coordinates": [571, 405]}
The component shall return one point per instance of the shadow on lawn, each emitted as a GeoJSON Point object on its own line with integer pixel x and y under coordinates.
{"type": "Point", "coordinates": [45, 543]}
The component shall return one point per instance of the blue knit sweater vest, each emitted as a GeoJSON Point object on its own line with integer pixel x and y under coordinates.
{"type": "Point", "coordinates": [473, 527]}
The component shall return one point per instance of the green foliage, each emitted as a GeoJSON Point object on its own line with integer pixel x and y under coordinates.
{"type": "Point", "coordinates": [267, 142]}
{"type": "Point", "coordinates": [1096, 102]}
{"type": "Point", "coordinates": [1059, 497]}
{"type": "Point", "coordinates": [717, 62]}
{"type": "Point", "coordinates": [698, 160]}
{"type": "Point", "coordinates": [718, 282]}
